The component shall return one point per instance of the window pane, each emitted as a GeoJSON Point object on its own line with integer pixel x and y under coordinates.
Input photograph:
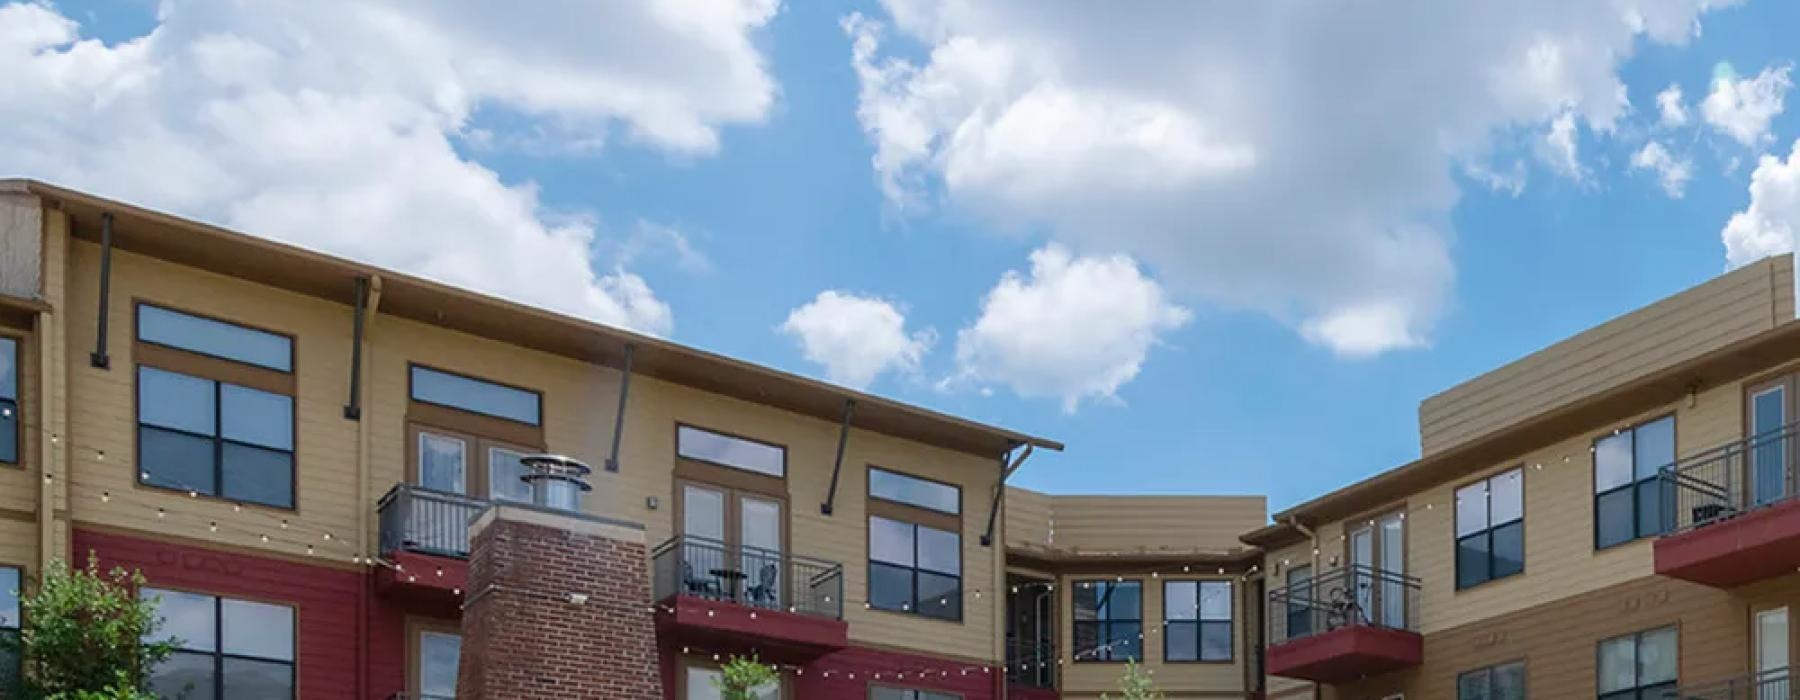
{"type": "Point", "coordinates": [175, 460]}
{"type": "Point", "coordinates": [175, 401]}
{"type": "Point", "coordinates": [1506, 501]}
{"type": "Point", "coordinates": [474, 395]}
{"type": "Point", "coordinates": [1471, 509]}
{"type": "Point", "coordinates": [890, 587]}
{"type": "Point", "coordinates": [1472, 560]}
{"type": "Point", "coordinates": [188, 617]}
{"type": "Point", "coordinates": [439, 655]}
{"type": "Point", "coordinates": [256, 417]}
{"type": "Point", "coordinates": [1215, 600]}
{"type": "Point", "coordinates": [1473, 685]}
{"type": "Point", "coordinates": [940, 596]}
{"type": "Point", "coordinates": [9, 431]}
{"type": "Point", "coordinates": [1612, 462]}
{"type": "Point", "coordinates": [1181, 641]}
{"type": "Point", "coordinates": [1126, 602]}
{"type": "Point", "coordinates": [1653, 447]}
{"type": "Point", "coordinates": [1509, 682]}
{"type": "Point", "coordinates": [1087, 640]}
{"type": "Point", "coordinates": [1613, 520]}
{"type": "Point", "coordinates": [1650, 507]}
{"type": "Point", "coordinates": [258, 629]}
{"type": "Point", "coordinates": [1656, 656]}
{"type": "Point", "coordinates": [258, 680]}
{"type": "Point", "coordinates": [9, 597]}
{"type": "Point", "coordinates": [216, 338]}
{"type": "Point", "coordinates": [443, 463]}
{"type": "Point", "coordinates": [914, 491]}
{"type": "Point", "coordinates": [9, 369]}
{"type": "Point", "coordinates": [1215, 641]}
{"type": "Point", "coordinates": [1087, 600]}
{"type": "Point", "coordinates": [1181, 600]}
{"type": "Point", "coordinates": [256, 475]}
{"type": "Point", "coordinates": [708, 446]}
{"type": "Point", "coordinates": [1509, 549]}
{"type": "Point", "coordinates": [1125, 641]}
{"type": "Point", "coordinates": [940, 551]}
{"type": "Point", "coordinates": [890, 541]}
{"type": "Point", "coordinates": [1618, 664]}
{"type": "Point", "coordinates": [886, 693]}
{"type": "Point", "coordinates": [506, 476]}
{"type": "Point", "coordinates": [186, 676]}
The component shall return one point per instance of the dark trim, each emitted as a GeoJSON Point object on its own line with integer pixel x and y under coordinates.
{"type": "Point", "coordinates": [987, 536]}
{"type": "Point", "coordinates": [353, 407]}
{"type": "Point", "coordinates": [915, 569]}
{"type": "Point", "coordinates": [1231, 622]}
{"type": "Point", "coordinates": [219, 441]}
{"type": "Point", "coordinates": [1106, 623]}
{"type": "Point", "coordinates": [837, 465]}
{"type": "Point", "coordinates": [99, 358]}
{"type": "Point", "coordinates": [413, 396]}
{"type": "Point", "coordinates": [612, 457]}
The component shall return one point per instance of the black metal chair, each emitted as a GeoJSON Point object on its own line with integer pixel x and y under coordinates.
{"type": "Point", "coordinates": [764, 592]}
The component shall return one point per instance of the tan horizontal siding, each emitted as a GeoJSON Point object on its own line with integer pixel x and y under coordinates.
{"type": "Point", "coordinates": [1707, 317]}
{"type": "Point", "coordinates": [1027, 518]}
{"type": "Point", "coordinates": [1153, 523]}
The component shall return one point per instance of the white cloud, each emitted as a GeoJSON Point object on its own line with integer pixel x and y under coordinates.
{"type": "Point", "coordinates": [1669, 105]}
{"type": "Point", "coordinates": [1767, 226]}
{"type": "Point", "coordinates": [1291, 158]}
{"type": "Point", "coordinates": [1743, 108]}
{"type": "Point", "coordinates": [856, 338]}
{"type": "Point", "coordinates": [651, 239]}
{"type": "Point", "coordinates": [1072, 329]}
{"type": "Point", "coordinates": [1562, 148]}
{"type": "Point", "coordinates": [331, 123]}
{"type": "Point", "coordinates": [1672, 173]}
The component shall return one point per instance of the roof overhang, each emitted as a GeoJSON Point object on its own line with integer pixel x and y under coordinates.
{"type": "Point", "coordinates": [263, 261]}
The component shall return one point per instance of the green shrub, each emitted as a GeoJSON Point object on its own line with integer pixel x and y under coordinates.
{"type": "Point", "coordinates": [1135, 685]}
{"type": "Point", "coordinates": [740, 677]}
{"type": "Point", "coordinates": [83, 636]}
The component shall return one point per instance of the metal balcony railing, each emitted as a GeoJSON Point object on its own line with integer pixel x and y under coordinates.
{"type": "Point", "coordinates": [752, 576]}
{"type": "Point", "coordinates": [1730, 480]}
{"type": "Point", "coordinates": [1767, 685]}
{"type": "Point", "coordinates": [416, 519]}
{"type": "Point", "coordinates": [1030, 663]}
{"type": "Point", "coordinates": [1352, 596]}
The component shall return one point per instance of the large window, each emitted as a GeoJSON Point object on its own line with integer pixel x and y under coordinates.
{"type": "Point", "coordinates": [914, 568]}
{"type": "Point", "coordinates": [470, 436]}
{"type": "Point", "coordinates": [1197, 621]}
{"type": "Point", "coordinates": [914, 491]}
{"type": "Point", "coordinates": [882, 692]}
{"type": "Point", "coordinates": [728, 451]}
{"type": "Point", "coordinates": [1109, 620]}
{"type": "Point", "coordinates": [475, 395]}
{"type": "Point", "coordinates": [1629, 496]}
{"type": "Point", "coordinates": [215, 408]}
{"type": "Point", "coordinates": [1490, 529]}
{"type": "Point", "coordinates": [229, 648]}
{"type": "Point", "coordinates": [1638, 666]}
{"type": "Point", "coordinates": [1503, 682]}
{"type": "Point", "coordinates": [439, 655]}
{"type": "Point", "coordinates": [9, 400]}
{"type": "Point", "coordinates": [11, 581]}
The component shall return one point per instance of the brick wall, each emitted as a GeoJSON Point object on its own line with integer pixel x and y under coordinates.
{"type": "Point", "coordinates": [527, 631]}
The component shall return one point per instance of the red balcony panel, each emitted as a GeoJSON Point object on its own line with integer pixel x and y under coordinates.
{"type": "Point", "coordinates": [712, 624]}
{"type": "Point", "coordinates": [1346, 654]}
{"type": "Point", "coordinates": [423, 582]}
{"type": "Point", "coordinates": [1761, 544]}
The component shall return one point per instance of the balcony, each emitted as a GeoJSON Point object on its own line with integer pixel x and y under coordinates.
{"type": "Point", "coordinates": [1730, 516]}
{"type": "Point", "coordinates": [714, 595]}
{"type": "Point", "coordinates": [1767, 685]}
{"type": "Point", "coordinates": [1347, 624]}
{"type": "Point", "coordinates": [425, 535]}
{"type": "Point", "coordinates": [1030, 664]}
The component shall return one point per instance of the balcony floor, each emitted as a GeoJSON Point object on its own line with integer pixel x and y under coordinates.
{"type": "Point", "coordinates": [1346, 654]}
{"type": "Point", "coordinates": [705, 622]}
{"type": "Point", "coordinates": [1758, 545]}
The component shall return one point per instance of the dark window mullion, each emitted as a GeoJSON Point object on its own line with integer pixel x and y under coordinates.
{"type": "Point", "coordinates": [218, 485]}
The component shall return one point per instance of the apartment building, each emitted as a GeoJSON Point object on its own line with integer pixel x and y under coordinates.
{"type": "Point", "coordinates": [291, 448]}
{"type": "Point", "coordinates": [1094, 581]}
{"type": "Point", "coordinates": [1609, 517]}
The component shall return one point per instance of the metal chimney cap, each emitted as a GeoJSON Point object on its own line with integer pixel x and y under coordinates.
{"type": "Point", "coordinates": [554, 464]}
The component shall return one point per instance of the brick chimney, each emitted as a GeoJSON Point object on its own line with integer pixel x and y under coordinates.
{"type": "Point", "coordinates": [558, 608]}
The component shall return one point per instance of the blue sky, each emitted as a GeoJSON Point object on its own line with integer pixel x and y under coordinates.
{"type": "Point", "coordinates": [736, 201]}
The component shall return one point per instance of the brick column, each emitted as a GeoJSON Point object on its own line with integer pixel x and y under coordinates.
{"type": "Point", "coordinates": [558, 608]}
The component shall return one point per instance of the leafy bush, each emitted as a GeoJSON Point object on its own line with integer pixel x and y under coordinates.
{"type": "Point", "coordinates": [83, 636]}
{"type": "Point", "coordinates": [1136, 685]}
{"type": "Point", "coordinates": [740, 677]}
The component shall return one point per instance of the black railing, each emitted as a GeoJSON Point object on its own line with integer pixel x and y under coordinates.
{"type": "Point", "coordinates": [1030, 663]}
{"type": "Point", "coordinates": [752, 576]}
{"type": "Point", "coordinates": [1767, 685]}
{"type": "Point", "coordinates": [1349, 597]}
{"type": "Point", "coordinates": [1730, 480]}
{"type": "Point", "coordinates": [416, 519]}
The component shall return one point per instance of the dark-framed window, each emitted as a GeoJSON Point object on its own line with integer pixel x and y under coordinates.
{"type": "Point", "coordinates": [1197, 621]}
{"type": "Point", "coordinates": [1630, 498]}
{"type": "Point", "coordinates": [914, 491]}
{"type": "Point", "coordinates": [12, 584]}
{"type": "Point", "coordinates": [915, 569]}
{"type": "Point", "coordinates": [9, 400]}
{"type": "Point", "coordinates": [1490, 529]}
{"type": "Point", "coordinates": [888, 692]}
{"type": "Point", "coordinates": [1300, 601]}
{"type": "Point", "coordinates": [440, 654]}
{"type": "Point", "coordinates": [1502, 682]}
{"type": "Point", "coordinates": [214, 415]}
{"type": "Point", "coordinates": [464, 393]}
{"type": "Point", "coordinates": [229, 648]}
{"type": "Point", "coordinates": [1640, 666]}
{"type": "Point", "coordinates": [1109, 620]}
{"type": "Point", "coordinates": [704, 445]}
